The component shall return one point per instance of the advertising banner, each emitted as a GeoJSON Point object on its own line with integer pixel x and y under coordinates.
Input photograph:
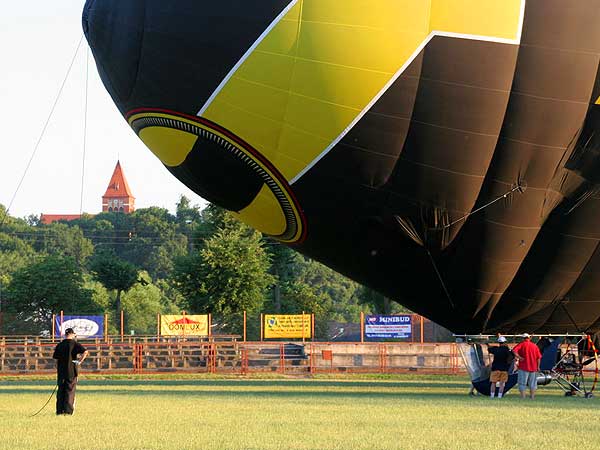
{"type": "Point", "coordinates": [287, 326]}
{"type": "Point", "coordinates": [388, 327]}
{"type": "Point", "coordinates": [84, 326]}
{"type": "Point", "coordinates": [180, 325]}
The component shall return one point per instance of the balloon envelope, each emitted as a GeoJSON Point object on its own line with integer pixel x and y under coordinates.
{"type": "Point", "coordinates": [444, 153]}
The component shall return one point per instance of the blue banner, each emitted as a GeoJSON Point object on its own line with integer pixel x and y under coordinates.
{"type": "Point", "coordinates": [84, 326]}
{"type": "Point", "coordinates": [388, 327]}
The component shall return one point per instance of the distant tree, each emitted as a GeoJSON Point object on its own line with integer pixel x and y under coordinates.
{"type": "Point", "coordinates": [170, 298]}
{"type": "Point", "coordinates": [154, 241]}
{"type": "Point", "coordinates": [147, 238]}
{"type": "Point", "coordinates": [188, 218]}
{"type": "Point", "coordinates": [141, 304]}
{"type": "Point", "coordinates": [114, 274]}
{"type": "Point", "coordinates": [379, 303]}
{"type": "Point", "coordinates": [97, 229]}
{"type": "Point", "coordinates": [12, 224]}
{"type": "Point", "coordinates": [299, 297]}
{"type": "Point", "coordinates": [342, 292]}
{"type": "Point", "coordinates": [40, 289]}
{"type": "Point", "coordinates": [100, 295]}
{"type": "Point", "coordinates": [187, 213]}
{"type": "Point", "coordinates": [284, 267]}
{"type": "Point", "coordinates": [65, 240]}
{"type": "Point", "coordinates": [14, 254]}
{"type": "Point", "coordinates": [4, 215]}
{"type": "Point", "coordinates": [122, 229]}
{"type": "Point", "coordinates": [333, 296]}
{"type": "Point", "coordinates": [33, 220]}
{"type": "Point", "coordinates": [228, 275]}
{"type": "Point", "coordinates": [212, 218]}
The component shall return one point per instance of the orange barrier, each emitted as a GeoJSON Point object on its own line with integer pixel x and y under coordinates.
{"type": "Point", "coordinates": [109, 339]}
{"type": "Point", "coordinates": [239, 357]}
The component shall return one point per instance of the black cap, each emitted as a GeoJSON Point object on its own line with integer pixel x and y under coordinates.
{"type": "Point", "coordinates": [69, 331]}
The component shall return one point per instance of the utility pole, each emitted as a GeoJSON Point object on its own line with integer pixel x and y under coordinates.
{"type": "Point", "coordinates": [188, 228]}
{"type": "Point", "coordinates": [1, 312]}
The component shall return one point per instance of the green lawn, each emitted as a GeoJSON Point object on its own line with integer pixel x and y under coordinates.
{"type": "Point", "coordinates": [403, 412]}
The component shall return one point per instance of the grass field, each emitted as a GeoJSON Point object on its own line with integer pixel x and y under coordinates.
{"type": "Point", "coordinates": [402, 412]}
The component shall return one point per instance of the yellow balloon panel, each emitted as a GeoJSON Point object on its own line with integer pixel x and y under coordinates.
{"type": "Point", "coordinates": [169, 145]}
{"type": "Point", "coordinates": [264, 213]}
{"type": "Point", "coordinates": [325, 62]}
{"type": "Point", "coordinates": [492, 18]}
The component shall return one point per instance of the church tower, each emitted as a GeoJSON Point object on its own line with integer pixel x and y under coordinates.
{"type": "Point", "coordinates": [117, 197]}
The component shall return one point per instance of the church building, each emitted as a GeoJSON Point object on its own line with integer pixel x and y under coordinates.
{"type": "Point", "coordinates": [117, 198]}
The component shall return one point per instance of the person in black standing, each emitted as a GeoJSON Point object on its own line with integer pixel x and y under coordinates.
{"type": "Point", "coordinates": [69, 355]}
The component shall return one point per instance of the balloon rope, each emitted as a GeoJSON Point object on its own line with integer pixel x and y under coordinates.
{"type": "Point", "coordinates": [571, 318]}
{"type": "Point", "coordinates": [47, 401]}
{"type": "Point", "coordinates": [595, 350]}
{"type": "Point", "coordinates": [440, 278]}
{"type": "Point", "coordinates": [43, 132]}
{"type": "Point", "coordinates": [516, 188]}
{"type": "Point", "coordinates": [85, 113]}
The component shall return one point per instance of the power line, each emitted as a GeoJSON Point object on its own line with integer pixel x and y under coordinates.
{"type": "Point", "coordinates": [50, 232]}
{"type": "Point", "coordinates": [134, 239]}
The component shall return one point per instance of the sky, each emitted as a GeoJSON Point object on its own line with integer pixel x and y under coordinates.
{"type": "Point", "coordinates": [38, 39]}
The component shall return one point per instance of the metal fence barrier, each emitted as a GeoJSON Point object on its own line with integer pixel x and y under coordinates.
{"type": "Point", "coordinates": [138, 357]}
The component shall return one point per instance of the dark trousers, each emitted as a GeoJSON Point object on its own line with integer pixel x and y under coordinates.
{"type": "Point", "coordinates": [65, 395]}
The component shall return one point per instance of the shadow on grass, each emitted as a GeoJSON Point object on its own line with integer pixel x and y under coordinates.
{"type": "Point", "coordinates": [249, 388]}
{"type": "Point", "coordinates": [457, 400]}
{"type": "Point", "coordinates": [284, 389]}
{"type": "Point", "coordinates": [452, 392]}
{"type": "Point", "coordinates": [250, 393]}
{"type": "Point", "coordinates": [241, 383]}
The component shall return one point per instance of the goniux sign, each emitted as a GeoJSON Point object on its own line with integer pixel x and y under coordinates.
{"type": "Point", "coordinates": [177, 325]}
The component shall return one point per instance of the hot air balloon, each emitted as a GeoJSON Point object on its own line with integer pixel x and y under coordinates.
{"type": "Point", "coordinates": [442, 152]}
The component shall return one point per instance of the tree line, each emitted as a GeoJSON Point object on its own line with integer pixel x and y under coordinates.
{"type": "Point", "coordinates": [152, 261]}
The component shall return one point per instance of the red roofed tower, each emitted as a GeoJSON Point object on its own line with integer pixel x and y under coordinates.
{"type": "Point", "coordinates": [117, 197]}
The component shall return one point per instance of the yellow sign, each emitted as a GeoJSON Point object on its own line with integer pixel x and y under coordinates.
{"type": "Point", "coordinates": [287, 326]}
{"type": "Point", "coordinates": [180, 325]}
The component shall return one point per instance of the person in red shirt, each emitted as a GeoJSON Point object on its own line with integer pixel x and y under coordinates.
{"type": "Point", "coordinates": [528, 355]}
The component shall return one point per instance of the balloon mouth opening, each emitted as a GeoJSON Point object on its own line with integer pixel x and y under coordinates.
{"type": "Point", "coordinates": [224, 169]}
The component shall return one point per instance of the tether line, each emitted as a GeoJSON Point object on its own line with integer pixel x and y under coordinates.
{"type": "Point", "coordinates": [440, 278]}
{"type": "Point", "coordinates": [42, 133]}
{"type": "Point", "coordinates": [466, 216]}
{"type": "Point", "coordinates": [85, 112]}
{"type": "Point", "coordinates": [571, 318]}
{"type": "Point", "coordinates": [47, 401]}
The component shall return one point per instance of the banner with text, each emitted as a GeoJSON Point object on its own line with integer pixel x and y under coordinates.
{"type": "Point", "coordinates": [180, 325]}
{"type": "Point", "coordinates": [287, 326]}
{"type": "Point", "coordinates": [84, 326]}
{"type": "Point", "coordinates": [388, 327]}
